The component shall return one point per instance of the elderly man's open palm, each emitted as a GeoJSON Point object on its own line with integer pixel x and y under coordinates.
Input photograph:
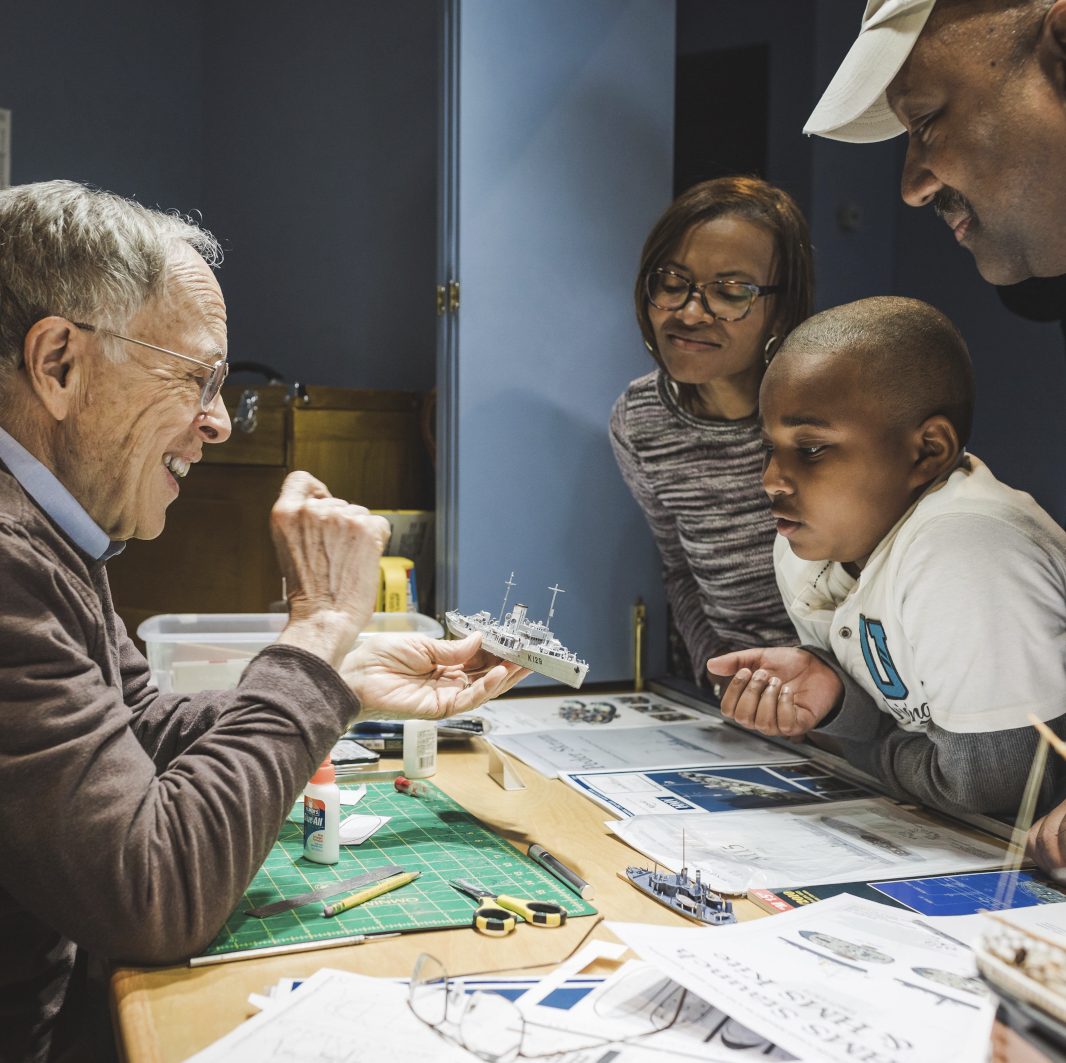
{"type": "Point", "coordinates": [411, 675]}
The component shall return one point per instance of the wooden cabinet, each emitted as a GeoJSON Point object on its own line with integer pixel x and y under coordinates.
{"type": "Point", "coordinates": [215, 554]}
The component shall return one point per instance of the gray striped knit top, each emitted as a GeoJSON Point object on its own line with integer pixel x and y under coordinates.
{"type": "Point", "coordinates": [699, 483]}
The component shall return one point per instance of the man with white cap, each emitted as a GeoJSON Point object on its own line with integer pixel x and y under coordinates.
{"type": "Point", "coordinates": [979, 86]}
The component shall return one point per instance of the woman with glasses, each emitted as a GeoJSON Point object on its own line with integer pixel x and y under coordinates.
{"type": "Point", "coordinates": [725, 274]}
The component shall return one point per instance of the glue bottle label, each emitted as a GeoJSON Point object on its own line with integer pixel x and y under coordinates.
{"type": "Point", "coordinates": [314, 825]}
{"type": "Point", "coordinates": [419, 749]}
{"type": "Point", "coordinates": [322, 816]}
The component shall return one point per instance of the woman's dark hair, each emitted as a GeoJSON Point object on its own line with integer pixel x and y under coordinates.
{"type": "Point", "coordinates": [741, 197]}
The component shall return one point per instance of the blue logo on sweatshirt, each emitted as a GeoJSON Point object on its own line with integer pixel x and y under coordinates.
{"type": "Point", "coordinates": [879, 660]}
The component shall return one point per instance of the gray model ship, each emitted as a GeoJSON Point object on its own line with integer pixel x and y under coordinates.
{"type": "Point", "coordinates": [516, 638]}
{"type": "Point", "coordinates": [686, 896]}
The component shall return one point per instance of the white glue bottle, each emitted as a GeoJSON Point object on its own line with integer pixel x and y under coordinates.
{"type": "Point", "coordinates": [322, 815]}
{"type": "Point", "coordinates": [419, 749]}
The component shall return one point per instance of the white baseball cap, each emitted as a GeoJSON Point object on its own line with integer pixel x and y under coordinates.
{"type": "Point", "coordinates": [854, 107]}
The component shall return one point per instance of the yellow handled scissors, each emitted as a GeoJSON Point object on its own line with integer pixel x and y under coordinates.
{"type": "Point", "coordinates": [495, 912]}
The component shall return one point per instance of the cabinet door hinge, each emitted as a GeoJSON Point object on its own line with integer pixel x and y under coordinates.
{"type": "Point", "coordinates": [447, 297]}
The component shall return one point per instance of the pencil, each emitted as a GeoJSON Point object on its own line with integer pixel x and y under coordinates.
{"type": "Point", "coordinates": [281, 950]}
{"type": "Point", "coordinates": [370, 893]}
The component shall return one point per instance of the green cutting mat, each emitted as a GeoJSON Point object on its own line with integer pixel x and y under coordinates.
{"type": "Point", "coordinates": [431, 834]}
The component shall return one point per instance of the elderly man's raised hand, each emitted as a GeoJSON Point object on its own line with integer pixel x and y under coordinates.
{"type": "Point", "coordinates": [328, 550]}
{"type": "Point", "coordinates": [778, 691]}
{"type": "Point", "coordinates": [414, 676]}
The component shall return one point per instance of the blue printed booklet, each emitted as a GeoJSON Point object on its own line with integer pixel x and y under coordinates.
{"type": "Point", "coordinates": [964, 894]}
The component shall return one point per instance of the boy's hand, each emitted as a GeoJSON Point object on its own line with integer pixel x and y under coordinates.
{"type": "Point", "coordinates": [1047, 840]}
{"type": "Point", "coordinates": [778, 691]}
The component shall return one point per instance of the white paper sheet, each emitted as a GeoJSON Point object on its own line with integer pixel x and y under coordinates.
{"type": "Point", "coordinates": [711, 788]}
{"type": "Point", "coordinates": [339, 1017]}
{"type": "Point", "coordinates": [581, 712]}
{"type": "Point", "coordinates": [623, 1004]}
{"type": "Point", "coordinates": [608, 1009]}
{"type": "Point", "coordinates": [842, 980]}
{"type": "Point", "coordinates": [352, 797]}
{"type": "Point", "coordinates": [847, 841]}
{"type": "Point", "coordinates": [1045, 920]}
{"type": "Point", "coordinates": [355, 829]}
{"type": "Point", "coordinates": [641, 748]}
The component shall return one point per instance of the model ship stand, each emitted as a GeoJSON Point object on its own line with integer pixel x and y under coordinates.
{"type": "Point", "coordinates": [680, 893]}
{"type": "Point", "coordinates": [529, 643]}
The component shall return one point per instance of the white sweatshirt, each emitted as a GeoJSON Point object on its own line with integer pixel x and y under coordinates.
{"type": "Point", "coordinates": [956, 629]}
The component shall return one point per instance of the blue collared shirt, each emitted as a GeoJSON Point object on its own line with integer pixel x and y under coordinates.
{"type": "Point", "coordinates": [57, 502]}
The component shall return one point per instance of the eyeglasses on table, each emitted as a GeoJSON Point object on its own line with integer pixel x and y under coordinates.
{"type": "Point", "coordinates": [493, 1028]}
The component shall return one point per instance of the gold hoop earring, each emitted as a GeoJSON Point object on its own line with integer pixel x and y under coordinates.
{"type": "Point", "coordinates": [768, 354]}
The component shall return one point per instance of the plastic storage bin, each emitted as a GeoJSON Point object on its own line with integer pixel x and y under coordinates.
{"type": "Point", "coordinates": [188, 652]}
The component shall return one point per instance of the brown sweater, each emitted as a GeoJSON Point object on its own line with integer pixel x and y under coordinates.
{"type": "Point", "coordinates": [130, 821]}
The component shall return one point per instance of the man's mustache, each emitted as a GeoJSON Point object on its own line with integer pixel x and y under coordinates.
{"type": "Point", "coordinates": [948, 201]}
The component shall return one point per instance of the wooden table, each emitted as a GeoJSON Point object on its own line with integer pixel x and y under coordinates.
{"type": "Point", "coordinates": [167, 1014]}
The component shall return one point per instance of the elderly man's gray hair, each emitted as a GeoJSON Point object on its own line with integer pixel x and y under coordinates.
{"type": "Point", "coordinates": [83, 254]}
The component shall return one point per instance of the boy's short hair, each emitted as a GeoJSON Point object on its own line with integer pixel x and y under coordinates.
{"type": "Point", "coordinates": [912, 357]}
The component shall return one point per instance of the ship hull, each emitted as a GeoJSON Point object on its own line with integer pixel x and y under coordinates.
{"type": "Point", "coordinates": [572, 673]}
{"type": "Point", "coordinates": [718, 913]}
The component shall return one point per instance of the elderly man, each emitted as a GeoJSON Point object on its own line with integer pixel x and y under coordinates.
{"type": "Point", "coordinates": [979, 86]}
{"type": "Point", "coordinates": [133, 821]}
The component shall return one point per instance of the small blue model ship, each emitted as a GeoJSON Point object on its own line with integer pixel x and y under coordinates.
{"type": "Point", "coordinates": [686, 896]}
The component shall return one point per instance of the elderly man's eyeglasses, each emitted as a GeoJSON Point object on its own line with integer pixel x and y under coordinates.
{"type": "Point", "coordinates": [723, 300]}
{"type": "Point", "coordinates": [211, 385]}
{"type": "Point", "coordinates": [493, 1028]}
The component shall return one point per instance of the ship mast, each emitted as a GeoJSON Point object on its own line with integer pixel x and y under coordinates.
{"type": "Point", "coordinates": [506, 594]}
{"type": "Point", "coordinates": [551, 609]}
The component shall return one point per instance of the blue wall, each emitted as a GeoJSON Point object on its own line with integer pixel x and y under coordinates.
{"type": "Point", "coordinates": [305, 136]}
{"type": "Point", "coordinates": [788, 30]}
{"type": "Point", "coordinates": [565, 160]}
{"type": "Point", "coordinates": [853, 211]}
{"type": "Point", "coordinates": [110, 93]}
{"type": "Point", "coordinates": [320, 173]}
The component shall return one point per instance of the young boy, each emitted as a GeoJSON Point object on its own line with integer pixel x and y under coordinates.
{"type": "Point", "coordinates": [936, 593]}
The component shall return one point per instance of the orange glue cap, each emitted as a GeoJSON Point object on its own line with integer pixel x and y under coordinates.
{"type": "Point", "coordinates": [325, 773]}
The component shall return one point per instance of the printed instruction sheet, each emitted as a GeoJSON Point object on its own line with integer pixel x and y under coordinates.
{"type": "Point", "coordinates": [642, 748]}
{"type": "Point", "coordinates": [582, 712]}
{"type": "Point", "coordinates": [709, 788]}
{"type": "Point", "coordinates": [771, 848]}
{"type": "Point", "coordinates": [841, 980]}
